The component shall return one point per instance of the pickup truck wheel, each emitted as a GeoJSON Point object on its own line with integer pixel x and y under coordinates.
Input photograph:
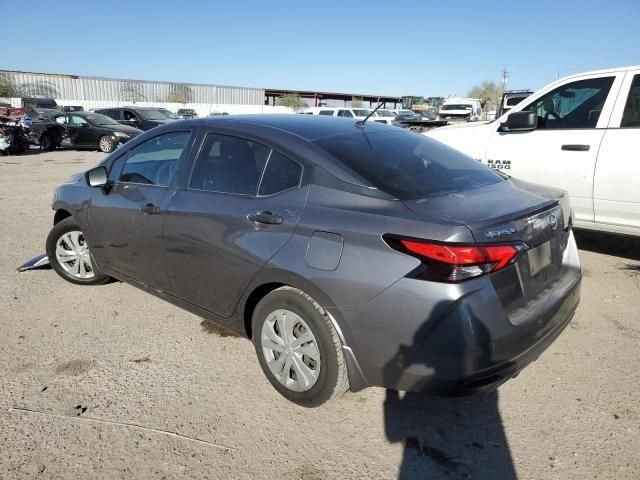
{"type": "Point", "coordinates": [47, 143]}
{"type": "Point", "coordinates": [106, 144]}
{"type": "Point", "coordinates": [69, 254]}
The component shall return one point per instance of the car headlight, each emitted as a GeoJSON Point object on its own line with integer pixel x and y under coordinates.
{"type": "Point", "coordinates": [120, 134]}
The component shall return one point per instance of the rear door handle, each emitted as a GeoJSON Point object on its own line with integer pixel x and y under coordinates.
{"type": "Point", "coordinates": [265, 217]}
{"type": "Point", "coordinates": [150, 209]}
{"type": "Point", "coordinates": [576, 148]}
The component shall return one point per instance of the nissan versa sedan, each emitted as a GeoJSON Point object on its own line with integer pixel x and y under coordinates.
{"type": "Point", "coordinates": [351, 254]}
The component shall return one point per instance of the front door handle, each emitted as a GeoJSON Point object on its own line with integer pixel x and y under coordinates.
{"type": "Point", "coordinates": [150, 209]}
{"type": "Point", "coordinates": [576, 148]}
{"type": "Point", "coordinates": [265, 217]}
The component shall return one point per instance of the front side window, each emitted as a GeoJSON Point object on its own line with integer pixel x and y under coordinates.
{"type": "Point", "coordinates": [408, 166]}
{"type": "Point", "coordinates": [78, 121]}
{"type": "Point", "coordinates": [631, 115]}
{"type": "Point", "coordinates": [281, 174]}
{"type": "Point", "coordinates": [229, 165]}
{"type": "Point", "coordinates": [573, 105]}
{"type": "Point", "coordinates": [154, 161]}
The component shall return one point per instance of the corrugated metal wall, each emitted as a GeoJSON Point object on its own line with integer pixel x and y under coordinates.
{"type": "Point", "coordinates": [114, 90]}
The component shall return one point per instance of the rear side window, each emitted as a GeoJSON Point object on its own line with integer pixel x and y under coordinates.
{"type": "Point", "coordinates": [406, 165]}
{"type": "Point", "coordinates": [631, 115]}
{"type": "Point", "coordinates": [229, 165]}
{"type": "Point", "coordinates": [345, 113]}
{"type": "Point", "coordinates": [154, 161]}
{"type": "Point", "coordinates": [281, 174]}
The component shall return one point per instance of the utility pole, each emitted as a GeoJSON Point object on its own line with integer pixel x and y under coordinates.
{"type": "Point", "coordinates": [503, 81]}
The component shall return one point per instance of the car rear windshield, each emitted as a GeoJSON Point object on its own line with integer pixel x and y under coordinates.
{"type": "Point", "coordinates": [151, 115]}
{"type": "Point", "coordinates": [407, 165]}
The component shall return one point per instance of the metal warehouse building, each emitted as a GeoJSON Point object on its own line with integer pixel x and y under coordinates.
{"type": "Point", "coordinates": [98, 89]}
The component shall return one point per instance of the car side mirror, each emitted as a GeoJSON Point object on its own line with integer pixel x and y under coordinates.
{"type": "Point", "coordinates": [97, 177]}
{"type": "Point", "coordinates": [520, 122]}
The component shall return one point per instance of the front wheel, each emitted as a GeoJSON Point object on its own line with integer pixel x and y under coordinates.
{"type": "Point", "coordinates": [298, 348]}
{"type": "Point", "coordinates": [106, 145]}
{"type": "Point", "coordinates": [69, 254]}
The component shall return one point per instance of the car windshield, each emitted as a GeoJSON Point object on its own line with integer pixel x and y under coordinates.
{"type": "Point", "coordinates": [98, 119]}
{"type": "Point", "coordinates": [168, 114]}
{"type": "Point", "coordinates": [456, 106]}
{"type": "Point", "coordinates": [360, 112]}
{"type": "Point", "coordinates": [406, 165]}
{"type": "Point", "coordinates": [385, 113]}
{"type": "Point", "coordinates": [151, 114]}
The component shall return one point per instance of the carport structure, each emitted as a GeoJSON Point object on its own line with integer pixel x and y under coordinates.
{"type": "Point", "coordinates": [271, 95]}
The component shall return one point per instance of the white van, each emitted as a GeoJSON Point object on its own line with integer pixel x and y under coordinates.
{"type": "Point", "coordinates": [581, 134]}
{"type": "Point", "coordinates": [466, 109]}
{"type": "Point", "coordinates": [355, 113]}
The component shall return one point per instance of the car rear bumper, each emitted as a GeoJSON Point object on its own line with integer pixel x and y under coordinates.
{"type": "Point", "coordinates": [454, 339]}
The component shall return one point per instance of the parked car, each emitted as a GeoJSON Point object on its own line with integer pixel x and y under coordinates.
{"type": "Point", "coordinates": [578, 134]}
{"type": "Point", "coordinates": [187, 113]}
{"type": "Point", "coordinates": [81, 130]}
{"type": "Point", "coordinates": [464, 109]}
{"type": "Point", "coordinates": [355, 113]}
{"type": "Point", "coordinates": [36, 103]}
{"type": "Point", "coordinates": [72, 108]}
{"type": "Point", "coordinates": [351, 255]}
{"type": "Point", "coordinates": [143, 118]}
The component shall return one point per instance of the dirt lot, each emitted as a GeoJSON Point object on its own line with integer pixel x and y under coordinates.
{"type": "Point", "coordinates": [110, 382]}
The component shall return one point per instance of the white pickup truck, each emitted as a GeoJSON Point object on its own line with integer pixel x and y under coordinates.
{"type": "Point", "coordinates": [581, 134]}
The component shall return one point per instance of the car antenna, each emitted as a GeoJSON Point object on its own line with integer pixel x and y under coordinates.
{"type": "Point", "coordinates": [360, 123]}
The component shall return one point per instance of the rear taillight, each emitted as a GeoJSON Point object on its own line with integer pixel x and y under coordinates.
{"type": "Point", "coordinates": [455, 263]}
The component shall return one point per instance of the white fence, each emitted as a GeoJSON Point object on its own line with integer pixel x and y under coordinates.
{"type": "Point", "coordinates": [203, 109]}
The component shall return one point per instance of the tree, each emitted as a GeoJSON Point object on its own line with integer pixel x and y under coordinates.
{"type": "Point", "coordinates": [356, 102]}
{"type": "Point", "coordinates": [292, 101]}
{"type": "Point", "coordinates": [7, 88]}
{"type": "Point", "coordinates": [488, 92]}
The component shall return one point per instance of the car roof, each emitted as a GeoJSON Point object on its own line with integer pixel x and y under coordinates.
{"type": "Point", "coordinates": [308, 127]}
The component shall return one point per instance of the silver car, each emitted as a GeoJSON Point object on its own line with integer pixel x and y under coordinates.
{"type": "Point", "coordinates": [351, 254]}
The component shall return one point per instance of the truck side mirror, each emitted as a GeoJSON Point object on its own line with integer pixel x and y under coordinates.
{"type": "Point", "coordinates": [523, 121]}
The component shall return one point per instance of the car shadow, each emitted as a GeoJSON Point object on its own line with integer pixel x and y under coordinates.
{"type": "Point", "coordinates": [623, 246]}
{"type": "Point", "coordinates": [445, 437]}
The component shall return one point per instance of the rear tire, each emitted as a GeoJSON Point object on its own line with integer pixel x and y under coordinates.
{"type": "Point", "coordinates": [298, 348]}
{"type": "Point", "coordinates": [106, 145]}
{"type": "Point", "coordinates": [69, 255]}
{"type": "Point", "coordinates": [47, 143]}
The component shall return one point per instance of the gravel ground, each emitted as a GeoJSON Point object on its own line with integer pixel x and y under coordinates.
{"type": "Point", "coordinates": [110, 382]}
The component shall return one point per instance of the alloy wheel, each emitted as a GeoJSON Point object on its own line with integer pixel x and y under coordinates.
{"type": "Point", "coordinates": [290, 350]}
{"type": "Point", "coordinates": [72, 253]}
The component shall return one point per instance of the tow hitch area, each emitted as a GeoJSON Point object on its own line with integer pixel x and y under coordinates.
{"type": "Point", "coordinates": [39, 262]}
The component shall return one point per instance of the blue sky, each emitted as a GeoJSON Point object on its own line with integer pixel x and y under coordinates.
{"type": "Point", "coordinates": [371, 47]}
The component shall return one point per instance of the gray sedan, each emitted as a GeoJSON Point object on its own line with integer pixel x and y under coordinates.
{"type": "Point", "coordinates": [351, 255]}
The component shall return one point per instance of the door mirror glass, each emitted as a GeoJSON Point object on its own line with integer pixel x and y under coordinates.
{"type": "Point", "coordinates": [97, 177]}
{"type": "Point", "coordinates": [520, 122]}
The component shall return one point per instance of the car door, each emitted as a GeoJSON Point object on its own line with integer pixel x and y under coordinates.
{"type": "Point", "coordinates": [80, 132]}
{"type": "Point", "coordinates": [616, 190]}
{"type": "Point", "coordinates": [239, 208]}
{"type": "Point", "coordinates": [562, 150]}
{"type": "Point", "coordinates": [125, 221]}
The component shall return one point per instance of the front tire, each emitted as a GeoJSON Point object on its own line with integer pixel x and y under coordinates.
{"type": "Point", "coordinates": [106, 145]}
{"type": "Point", "coordinates": [298, 348]}
{"type": "Point", "coordinates": [69, 254]}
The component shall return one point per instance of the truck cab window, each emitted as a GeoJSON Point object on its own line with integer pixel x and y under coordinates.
{"type": "Point", "coordinates": [631, 115]}
{"type": "Point", "coordinates": [573, 105]}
